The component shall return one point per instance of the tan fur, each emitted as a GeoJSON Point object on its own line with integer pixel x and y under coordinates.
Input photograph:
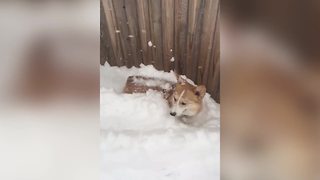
{"type": "Point", "coordinates": [192, 95]}
{"type": "Point", "coordinates": [189, 95]}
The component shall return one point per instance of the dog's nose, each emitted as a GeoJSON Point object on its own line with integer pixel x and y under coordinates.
{"type": "Point", "coordinates": [173, 114]}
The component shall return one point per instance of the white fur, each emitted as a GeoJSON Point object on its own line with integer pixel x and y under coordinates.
{"type": "Point", "coordinates": [177, 108]}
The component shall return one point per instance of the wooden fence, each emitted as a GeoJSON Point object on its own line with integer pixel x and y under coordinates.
{"type": "Point", "coordinates": [180, 35]}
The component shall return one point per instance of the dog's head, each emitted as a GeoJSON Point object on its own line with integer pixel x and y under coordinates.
{"type": "Point", "coordinates": [186, 99]}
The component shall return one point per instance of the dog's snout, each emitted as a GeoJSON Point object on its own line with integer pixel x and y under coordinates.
{"type": "Point", "coordinates": [173, 113]}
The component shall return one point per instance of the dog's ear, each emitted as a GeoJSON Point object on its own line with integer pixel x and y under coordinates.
{"type": "Point", "coordinates": [200, 91]}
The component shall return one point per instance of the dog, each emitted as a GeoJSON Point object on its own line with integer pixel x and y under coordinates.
{"type": "Point", "coordinates": [186, 99]}
{"type": "Point", "coordinates": [183, 97]}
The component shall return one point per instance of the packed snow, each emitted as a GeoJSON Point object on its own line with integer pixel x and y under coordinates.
{"type": "Point", "coordinates": [141, 141]}
{"type": "Point", "coordinates": [153, 83]}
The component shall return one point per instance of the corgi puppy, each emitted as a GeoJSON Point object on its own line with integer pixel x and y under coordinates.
{"type": "Point", "coordinates": [186, 99]}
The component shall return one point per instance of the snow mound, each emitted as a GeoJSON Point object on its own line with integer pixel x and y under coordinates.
{"type": "Point", "coordinates": [140, 140]}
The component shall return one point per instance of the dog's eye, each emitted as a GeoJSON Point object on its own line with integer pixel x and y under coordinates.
{"type": "Point", "coordinates": [183, 103]}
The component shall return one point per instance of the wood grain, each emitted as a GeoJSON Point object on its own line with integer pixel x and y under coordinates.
{"type": "Point", "coordinates": [186, 30]}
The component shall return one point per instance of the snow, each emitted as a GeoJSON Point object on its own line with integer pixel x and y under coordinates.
{"type": "Point", "coordinates": [150, 44]}
{"type": "Point", "coordinates": [141, 141]}
{"type": "Point", "coordinates": [153, 83]}
{"type": "Point", "coordinates": [172, 59]}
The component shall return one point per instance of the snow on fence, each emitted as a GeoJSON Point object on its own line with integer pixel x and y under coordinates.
{"type": "Point", "coordinates": [170, 34]}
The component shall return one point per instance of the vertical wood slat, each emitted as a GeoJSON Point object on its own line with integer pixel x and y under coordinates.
{"type": "Point", "coordinates": [192, 37]}
{"type": "Point", "coordinates": [143, 20]}
{"type": "Point", "coordinates": [122, 20]}
{"type": "Point", "coordinates": [183, 29]}
{"type": "Point", "coordinates": [133, 38]}
{"type": "Point", "coordinates": [106, 48]}
{"type": "Point", "coordinates": [167, 33]}
{"type": "Point", "coordinates": [113, 28]}
{"type": "Point", "coordinates": [181, 24]}
{"type": "Point", "coordinates": [213, 82]}
{"type": "Point", "coordinates": [207, 38]}
{"type": "Point", "coordinates": [155, 29]}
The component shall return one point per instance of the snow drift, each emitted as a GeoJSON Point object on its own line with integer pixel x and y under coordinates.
{"type": "Point", "coordinates": [140, 140]}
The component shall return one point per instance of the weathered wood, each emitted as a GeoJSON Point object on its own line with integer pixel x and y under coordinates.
{"type": "Point", "coordinates": [133, 38]}
{"type": "Point", "coordinates": [106, 48]}
{"type": "Point", "coordinates": [213, 81]}
{"type": "Point", "coordinates": [113, 29]}
{"type": "Point", "coordinates": [193, 37]}
{"type": "Point", "coordinates": [156, 31]}
{"type": "Point", "coordinates": [167, 33]}
{"type": "Point", "coordinates": [137, 84]}
{"type": "Point", "coordinates": [181, 24]}
{"type": "Point", "coordinates": [207, 38]}
{"type": "Point", "coordinates": [184, 29]}
{"type": "Point", "coordinates": [144, 29]}
{"type": "Point", "coordinates": [122, 21]}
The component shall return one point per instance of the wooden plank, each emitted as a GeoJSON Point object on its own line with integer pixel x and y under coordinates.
{"type": "Point", "coordinates": [143, 20]}
{"type": "Point", "coordinates": [156, 32]}
{"type": "Point", "coordinates": [167, 33]}
{"type": "Point", "coordinates": [113, 28]}
{"type": "Point", "coordinates": [213, 82]}
{"type": "Point", "coordinates": [180, 45]}
{"type": "Point", "coordinates": [106, 48]}
{"type": "Point", "coordinates": [215, 54]}
{"type": "Point", "coordinates": [133, 38]}
{"type": "Point", "coordinates": [207, 38]}
{"type": "Point", "coordinates": [214, 88]}
{"type": "Point", "coordinates": [194, 23]}
{"type": "Point", "coordinates": [197, 44]}
{"type": "Point", "coordinates": [122, 21]}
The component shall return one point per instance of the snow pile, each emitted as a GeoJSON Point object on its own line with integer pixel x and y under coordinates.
{"type": "Point", "coordinates": [141, 141]}
{"type": "Point", "coordinates": [153, 83]}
